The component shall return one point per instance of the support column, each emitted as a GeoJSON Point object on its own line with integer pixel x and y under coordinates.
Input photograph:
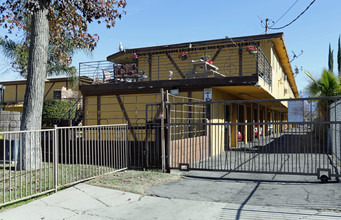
{"type": "Point", "coordinates": [277, 120]}
{"type": "Point", "coordinates": [234, 128]}
{"type": "Point", "coordinates": [245, 126]}
{"type": "Point", "coordinates": [263, 122]}
{"type": "Point", "coordinates": [271, 120]}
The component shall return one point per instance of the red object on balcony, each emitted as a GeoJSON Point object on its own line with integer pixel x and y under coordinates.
{"type": "Point", "coordinates": [183, 56]}
{"type": "Point", "coordinates": [252, 49]}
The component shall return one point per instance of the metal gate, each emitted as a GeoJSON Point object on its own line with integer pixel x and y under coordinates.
{"type": "Point", "coordinates": [287, 136]}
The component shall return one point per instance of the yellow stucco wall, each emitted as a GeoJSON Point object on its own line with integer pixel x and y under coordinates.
{"type": "Point", "coordinates": [111, 112]}
{"type": "Point", "coordinates": [10, 93]}
{"type": "Point", "coordinates": [280, 88]}
{"type": "Point", "coordinates": [227, 61]}
{"type": "Point", "coordinates": [90, 110]}
{"type": "Point", "coordinates": [16, 92]}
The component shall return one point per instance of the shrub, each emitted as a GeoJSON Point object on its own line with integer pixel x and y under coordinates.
{"type": "Point", "coordinates": [55, 110]}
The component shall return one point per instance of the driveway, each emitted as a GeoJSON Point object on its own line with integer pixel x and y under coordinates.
{"type": "Point", "coordinates": [289, 191]}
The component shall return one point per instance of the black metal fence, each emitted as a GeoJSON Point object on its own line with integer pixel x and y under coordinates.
{"type": "Point", "coordinates": [144, 144]}
{"type": "Point", "coordinates": [288, 136]}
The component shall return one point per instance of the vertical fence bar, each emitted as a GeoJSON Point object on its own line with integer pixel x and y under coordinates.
{"type": "Point", "coordinates": [55, 160]}
{"type": "Point", "coordinates": [4, 174]}
{"type": "Point", "coordinates": [163, 150]}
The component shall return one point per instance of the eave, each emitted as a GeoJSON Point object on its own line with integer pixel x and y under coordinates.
{"type": "Point", "coordinates": [283, 56]}
{"type": "Point", "coordinates": [196, 44]}
{"type": "Point", "coordinates": [155, 86]}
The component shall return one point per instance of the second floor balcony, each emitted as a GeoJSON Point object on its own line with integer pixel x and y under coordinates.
{"type": "Point", "coordinates": [206, 62]}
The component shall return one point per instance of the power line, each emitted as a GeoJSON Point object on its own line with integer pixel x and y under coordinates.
{"type": "Point", "coordinates": [295, 18]}
{"type": "Point", "coordinates": [285, 12]}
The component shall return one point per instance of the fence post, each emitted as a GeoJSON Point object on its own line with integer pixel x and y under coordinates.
{"type": "Point", "coordinates": [163, 144]}
{"type": "Point", "coordinates": [127, 150]}
{"type": "Point", "coordinates": [55, 160]}
{"type": "Point", "coordinates": [168, 117]}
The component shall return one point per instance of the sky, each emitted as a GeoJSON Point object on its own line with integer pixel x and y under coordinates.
{"type": "Point", "coordinates": [159, 22]}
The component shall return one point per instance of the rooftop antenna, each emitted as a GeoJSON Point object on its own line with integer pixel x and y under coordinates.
{"type": "Point", "coordinates": [266, 24]}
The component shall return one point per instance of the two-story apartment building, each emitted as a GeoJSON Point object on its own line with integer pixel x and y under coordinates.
{"type": "Point", "coordinates": [123, 88]}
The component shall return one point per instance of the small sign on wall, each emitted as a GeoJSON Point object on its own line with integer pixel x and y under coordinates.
{"type": "Point", "coordinates": [208, 95]}
{"type": "Point", "coordinates": [295, 111]}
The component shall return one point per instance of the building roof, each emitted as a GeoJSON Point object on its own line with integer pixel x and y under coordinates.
{"type": "Point", "coordinates": [23, 81]}
{"type": "Point", "coordinates": [49, 79]}
{"type": "Point", "coordinates": [197, 44]}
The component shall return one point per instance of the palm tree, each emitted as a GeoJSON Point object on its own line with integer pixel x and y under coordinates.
{"type": "Point", "coordinates": [18, 53]}
{"type": "Point", "coordinates": [328, 85]}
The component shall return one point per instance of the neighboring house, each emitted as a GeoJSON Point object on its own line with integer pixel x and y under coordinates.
{"type": "Point", "coordinates": [125, 86]}
{"type": "Point", "coordinates": [13, 92]}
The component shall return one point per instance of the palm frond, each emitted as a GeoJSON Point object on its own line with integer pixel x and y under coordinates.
{"type": "Point", "coordinates": [8, 47]}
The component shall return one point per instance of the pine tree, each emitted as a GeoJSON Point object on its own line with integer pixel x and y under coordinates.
{"type": "Point", "coordinates": [330, 60]}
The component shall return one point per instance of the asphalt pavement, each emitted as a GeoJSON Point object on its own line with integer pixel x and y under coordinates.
{"type": "Point", "coordinates": [289, 191]}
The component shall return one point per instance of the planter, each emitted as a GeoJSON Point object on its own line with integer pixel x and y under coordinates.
{"type": "Point", "coordinates": [183, 58]}
{"type": "Point", "coordinates": [252, 49]}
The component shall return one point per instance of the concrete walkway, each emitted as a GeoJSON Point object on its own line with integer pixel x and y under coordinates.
{"type": "Point", "coordinates": [89, 202]}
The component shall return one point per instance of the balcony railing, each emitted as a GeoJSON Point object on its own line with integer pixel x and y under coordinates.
{"type": "Point", "coordinates": [211, 62]}
{"type": "Point", "coordinates": [264, 69]}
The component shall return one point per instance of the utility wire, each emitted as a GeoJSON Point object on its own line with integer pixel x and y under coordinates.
{"type": "Point", "coordinates": [295, 18]}
{"type": "Point", "coordinates": [286, 12]}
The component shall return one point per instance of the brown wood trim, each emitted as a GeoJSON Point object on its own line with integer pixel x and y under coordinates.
{"type": "Point", "coordinates": [183, 85]}
{"type": "Point", "coordinates": [150, 66]}
{"type": "Point", "coordinates": [98, 110]}
{"type": "Point", "coordinates": [83, 109]}
{"type": "Point", "coordinates": [175, 66]}
{"type": "Point", "coordinates": [48, 91]}
{"type": "Point", "coordinates": [216, 54]}
{"type": "Point", "coordinates": [240, 52]}
{"type": "Point", "coordinates": [126, 116]}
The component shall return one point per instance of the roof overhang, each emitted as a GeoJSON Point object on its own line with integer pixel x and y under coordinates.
{"type": "Point", "coordinates": [155, 86]}
{"type": "Point", "coordinates": [282, 53]}
{"type": "Point", "coordinates": [196, 44]}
